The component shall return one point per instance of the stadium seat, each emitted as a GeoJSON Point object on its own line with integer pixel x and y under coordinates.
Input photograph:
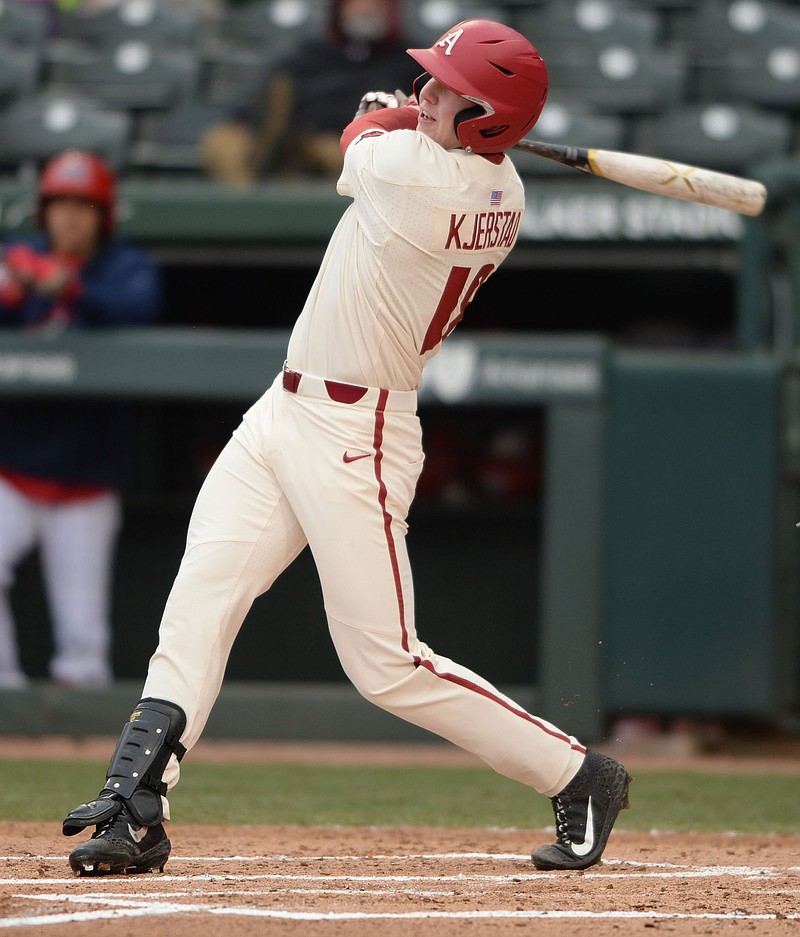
{"type": "Point", "coordinates": [605, 22]}
{"type": "Point", "coordinates": [618, 78]}
{"type": "Point", "coordinates": [766, 75]}
{"type": "Point", "coordinates": [426, 20]}
{"type": "Point", "coordinates": [667, 6]}
{"type": "Point", "coordinates": [20, 70]}
{"type": "Point", "coordinates": [170, 139]}
{"type": "Point", "coordinates": [35, 128]}
{"type": "Point", "coordinates": [232, 75]}
{"type": "Point", "coordinates": [718, 28]}
{"type": "Point", "coordinates": [150, 21]}
{"type": "Point", "coordinates": [726, 137]}
{"type": "Point", "coordinates": [134, 74]}
{"type": "Point", "coordinates": [272, 25]}
{"type": "Point", "coordinates": [572, 123]}
{"type": "Point", "coordinates": [513, 5]}
{"type": "Point", "coordinates": [23, 24]}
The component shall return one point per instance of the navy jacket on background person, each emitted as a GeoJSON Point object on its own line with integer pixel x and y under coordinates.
{"type": "Point", "coordinates": [74, 439]}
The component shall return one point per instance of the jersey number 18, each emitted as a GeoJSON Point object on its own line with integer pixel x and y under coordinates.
{"type": "Point", "coordinates": [454, 298]}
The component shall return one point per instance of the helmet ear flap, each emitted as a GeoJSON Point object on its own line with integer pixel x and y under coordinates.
{"type": "Point", "coordinates": [419, 84]}
{"type": "Point", "coordinates": [469, 113]}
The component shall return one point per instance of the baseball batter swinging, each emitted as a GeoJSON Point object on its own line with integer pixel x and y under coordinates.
{"type": "Point", "coordinates": [329, 456]}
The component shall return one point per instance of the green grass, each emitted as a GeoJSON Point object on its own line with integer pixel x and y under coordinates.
{"type": "Point", "coordinates": [302, 795]}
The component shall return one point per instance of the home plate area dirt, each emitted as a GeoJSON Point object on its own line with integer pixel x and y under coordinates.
{"type": "Point", "coordinates": [325, 882]}
{"type": "Point", "coordinates": [271, 880]}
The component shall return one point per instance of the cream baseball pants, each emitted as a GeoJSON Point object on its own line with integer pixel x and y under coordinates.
{"type": "Point", "coordinates": [333, 466]}
{"type": "Point", "coordinates": [76, 543]}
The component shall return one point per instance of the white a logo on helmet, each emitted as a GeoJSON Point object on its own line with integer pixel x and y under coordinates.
{"type": "Point", "coordinates": [450, 40]}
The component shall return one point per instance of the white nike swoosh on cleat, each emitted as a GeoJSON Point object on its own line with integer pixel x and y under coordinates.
{"type": "Point", "coordinates": [584, 848]}
{"type": "Point", "coordinates": [137, 835]}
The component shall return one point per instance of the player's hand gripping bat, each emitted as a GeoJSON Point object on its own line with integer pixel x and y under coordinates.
{"type": "Point", "coordinates": [661, 176]}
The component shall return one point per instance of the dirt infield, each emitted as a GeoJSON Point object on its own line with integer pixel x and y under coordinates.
{"type": "Point", "coordinates": [403, 881]}
{"type": "Point", "coordinates": [334, 881]}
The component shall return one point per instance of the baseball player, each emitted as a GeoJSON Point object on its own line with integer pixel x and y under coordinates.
{"type": "Point", "coordinates": [329, 456]}
{"type": "Point", "coordinates": [63, 463]}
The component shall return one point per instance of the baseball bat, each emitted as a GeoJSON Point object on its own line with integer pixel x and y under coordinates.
{"type": "Point", "coordinates": [661, 176]}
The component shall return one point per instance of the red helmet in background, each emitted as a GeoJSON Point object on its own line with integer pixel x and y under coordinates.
{"type": "Point", "coordinates": [79, 174]}
{"type": "Point", "coordinates": [497, 69]}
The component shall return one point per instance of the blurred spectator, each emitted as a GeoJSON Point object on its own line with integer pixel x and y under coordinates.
{"type": "Point", "coordinates": [296, 120]}
{"type": "Point", "coordinates": [63, 463]}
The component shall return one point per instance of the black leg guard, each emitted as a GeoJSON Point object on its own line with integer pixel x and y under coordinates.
{"type": "Point", "coordinates": [147, 742]}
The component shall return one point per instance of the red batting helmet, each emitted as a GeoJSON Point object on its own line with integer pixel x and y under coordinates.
{"type": "Point", "coordinates": [497, 69]}
{"type": "Point", "coordinates": [79, 174]}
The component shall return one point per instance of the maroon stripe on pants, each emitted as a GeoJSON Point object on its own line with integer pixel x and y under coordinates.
{"type": "Point", "coordinates": [482, 691]}
{"type": "Point", "coordinates": [377, 443]}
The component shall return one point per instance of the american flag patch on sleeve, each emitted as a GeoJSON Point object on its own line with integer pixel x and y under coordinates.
{"type": "Point", "coordinates": [496, 197]}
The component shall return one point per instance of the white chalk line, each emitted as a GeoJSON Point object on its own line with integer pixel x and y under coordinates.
{"type": "Point", "coordinates": [226, 893]}
{"type": "Point", "coordinates": [404, 857]}
{"type": "Point", "coordinates": [133, 909]}
{"type": "Point", "coordinates": [154, 904]}
{"type": "Point", "coordinates": [746, 872]}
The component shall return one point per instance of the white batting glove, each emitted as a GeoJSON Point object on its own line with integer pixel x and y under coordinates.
{"type": "Point", "coordinates": [376, 101]}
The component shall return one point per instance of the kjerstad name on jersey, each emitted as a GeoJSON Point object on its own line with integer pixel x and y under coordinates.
{"type": "Point", "coordinates": [480, 231]}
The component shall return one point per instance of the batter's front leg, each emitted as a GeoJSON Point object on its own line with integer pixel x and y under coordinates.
{"type": "Point", "coordinates": [242, 535]}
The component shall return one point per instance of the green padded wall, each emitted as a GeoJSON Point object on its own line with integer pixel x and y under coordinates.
{"type": "Point", "coordinates": [691, 558]}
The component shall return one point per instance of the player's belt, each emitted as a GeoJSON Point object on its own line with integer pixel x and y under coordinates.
{"type": "Point", "coordinates": [308, 385]}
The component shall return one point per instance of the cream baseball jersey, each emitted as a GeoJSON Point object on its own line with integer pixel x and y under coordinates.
{"type": "Point", "coordinates": [426, 228]}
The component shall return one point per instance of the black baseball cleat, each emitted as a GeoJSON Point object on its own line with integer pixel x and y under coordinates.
{"type": "Point", "coordinates": [118, 847]}
{"type": "Point", "coordinates": [585, 812]}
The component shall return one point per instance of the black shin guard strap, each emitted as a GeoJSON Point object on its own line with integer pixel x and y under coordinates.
{"type": "Point", "coordinates": [148, 741]}
{"type": "Point", "coordinates": [92, 814]}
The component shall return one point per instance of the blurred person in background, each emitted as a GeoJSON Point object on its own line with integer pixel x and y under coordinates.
{"type": "Point", "coordinates": [294, 124]}
{"type": "Point", "coordinates": [63, 463]}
